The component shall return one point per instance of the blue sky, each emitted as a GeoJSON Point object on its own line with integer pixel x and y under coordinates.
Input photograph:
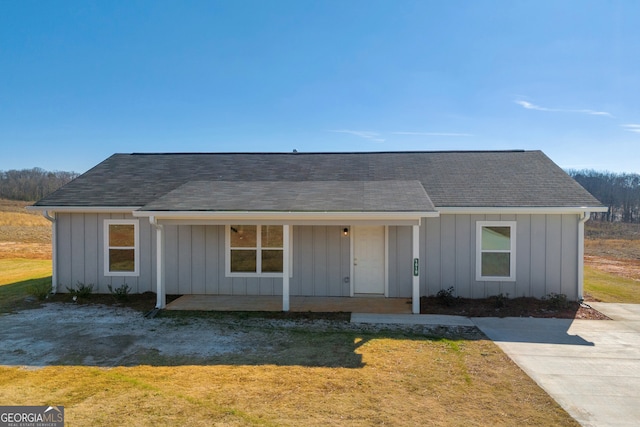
{"type": "Point", "coordinates": [82, 80]}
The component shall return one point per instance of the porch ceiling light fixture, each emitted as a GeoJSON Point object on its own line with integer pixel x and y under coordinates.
{"type": "Point", "coordinates": [345, 232]}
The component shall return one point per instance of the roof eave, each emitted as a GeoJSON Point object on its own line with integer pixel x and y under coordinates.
{"type": "Point", "coordinates": [83, 209]}
{"type": "Point", "coordinates": [540, 210]}
{"type": "Point", "coordinates": [289, 215]}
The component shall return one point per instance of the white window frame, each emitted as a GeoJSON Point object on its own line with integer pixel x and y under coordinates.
{"type": "Point", "coordinates": [259, 248]}
{"type": "Point", "coordinates": [135, 247]}
{"type": "Point", "coordinates": [512, 251]}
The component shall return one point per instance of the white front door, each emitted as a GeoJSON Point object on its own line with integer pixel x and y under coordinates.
{"type": "Point", "coordinates": [369, 260]}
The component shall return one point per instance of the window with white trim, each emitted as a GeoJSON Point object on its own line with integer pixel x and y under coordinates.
{"type": "Point", "coordinates": [121, 251]}
{"type": "Point", "coordinates": [254, 250]}
{"type": "Point", "coordinates": [496, 251]}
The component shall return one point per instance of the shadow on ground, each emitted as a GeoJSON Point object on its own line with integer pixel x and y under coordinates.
{"type": "Point", "coordinates": [530, 330]}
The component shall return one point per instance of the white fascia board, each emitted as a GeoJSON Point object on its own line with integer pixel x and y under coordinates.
{"type": "Point", "coordinates": [87, 209]}
{"type": "Point", "coordinates": [281, 221]}
{"type": "Point", "coordinates": [285, 216]}
{"type": "Point", "coordinates": [521, 210]}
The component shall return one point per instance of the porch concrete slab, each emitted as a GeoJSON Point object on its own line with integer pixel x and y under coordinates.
{"type": "Point", "coordinates": [412, 319]}
{"type": "Point", "coordinates": [225, 303]}
{"type": "Point", "coordinates": [590, 367]}
{"type": "Point", "coordinates": [296, 304]}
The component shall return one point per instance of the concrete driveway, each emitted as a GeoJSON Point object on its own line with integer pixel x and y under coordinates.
{"type": "Point", "coordinates": [590, 367]}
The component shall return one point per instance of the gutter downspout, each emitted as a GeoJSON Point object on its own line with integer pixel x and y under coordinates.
{"type": "Point", "coordinates": [54, 250]}
{"type": "Point", "coordinates": [584, 217]}
{"type": "Point", "coordinates": [161, 297]}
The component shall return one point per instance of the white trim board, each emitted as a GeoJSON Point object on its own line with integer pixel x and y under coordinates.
{"type": "Point", "coordinates": [286, 221]}
{"type": "Point", "coordinates": [84, 209]}
{"type": "Point", "coordinates": [286, 216]}
{"type": "Point", "coordinates": [521, 210]}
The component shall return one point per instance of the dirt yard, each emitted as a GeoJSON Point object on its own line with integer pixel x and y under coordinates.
{"type": "Point", "coordinates": [613, 248]}
{"type": "Point", "coordinates": [628, 268]}
{"type": "Point", "coordinates": [57, 334]}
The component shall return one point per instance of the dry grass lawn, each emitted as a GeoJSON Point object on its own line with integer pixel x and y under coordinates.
{"type": "Point", "coordinates": [612, 262]}
{"type": "Point", "coordinates": [23, 234]}
{"type": "Point", "coordinates": [400, 380]}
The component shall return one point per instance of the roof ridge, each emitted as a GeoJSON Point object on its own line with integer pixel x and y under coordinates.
{"type": "Point", "coordinates": [254, 153]}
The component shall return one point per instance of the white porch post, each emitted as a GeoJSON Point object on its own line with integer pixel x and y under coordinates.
{"type": "Point", "coordinates": [161, 295]}
{"type": "Point", "coordinates": [285, 267]}
{"type": "Point", "coordinates": [416, 270]}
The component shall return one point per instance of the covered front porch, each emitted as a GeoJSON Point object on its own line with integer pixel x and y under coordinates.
{"type": "Point", "coordinates": [251, 229]}
{"type": "Point", "coordinates": [374, 305]}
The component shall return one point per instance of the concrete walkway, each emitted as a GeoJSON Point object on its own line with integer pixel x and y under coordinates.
{"type": "Point", "coordinates": [411, 319]}
{"type": "Point", "coordinates": [590, 367]}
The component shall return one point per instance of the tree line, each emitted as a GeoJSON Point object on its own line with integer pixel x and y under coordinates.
{"type": "Point", "coordinates": [619, 191]}
{"type": "Point", "coordinates": [31, 184]}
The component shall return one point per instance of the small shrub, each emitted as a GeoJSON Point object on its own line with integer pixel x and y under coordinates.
{"type": "Point", "coordinates": [120, 293]}
{"type": "Point", "coordinates": [556, 301]}
{"type": "Point", "coordinates": [500, 300]}
{"type": "Point", "coordinates": [445, 296]}
{"type": "Point", "coordinates": [40, 290]}
{"type": "Point", "coordinates": [81, 290]}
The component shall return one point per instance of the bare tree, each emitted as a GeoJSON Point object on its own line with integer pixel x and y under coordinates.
{"type": "Point", "coordinates": [620, 192]}
{"type": "Point", "coordinates": [31, 184]}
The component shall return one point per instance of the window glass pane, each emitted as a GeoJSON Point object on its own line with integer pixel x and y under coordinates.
{"type": "Point", "coordinates": [243, 261]}
{"type": "Point", "coordinates": [271, 236]}
{"type": "Point", "coordinates": [272, 261]}
{"type": "Point", "coordinates": [121, 235]}
{"type": "Point", "coordinates": [496, 238]}
{"type": "Point", "coordinates": [122, 260]}
{"type": "Point", "coordinates": [496, 264]}
{"type": "Point", "coordinates": [243, 236]}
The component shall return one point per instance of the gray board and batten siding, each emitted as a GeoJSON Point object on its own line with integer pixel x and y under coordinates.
{"type": "Point", "coordinates": [546, 258]}
{"type": "Point", "coordinates": [450, 192]}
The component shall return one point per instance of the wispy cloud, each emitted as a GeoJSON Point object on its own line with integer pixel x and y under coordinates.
{"type": "Point", "coordinates": [530, 106]}
{"type": "Point", "coordinates": [631, 127]}
{"type": "Point", "coordinates": [432, 133]}
{"type": "Point", "coordinates": [373, 136]}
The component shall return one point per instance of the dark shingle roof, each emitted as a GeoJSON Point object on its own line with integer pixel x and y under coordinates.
{"type": "Point", "coordinates": [451, 179]}
{"type": "Point", "coordinates": [303, 196]}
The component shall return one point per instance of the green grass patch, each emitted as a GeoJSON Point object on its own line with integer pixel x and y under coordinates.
{"type": "Point", "coordinates": [19, 279]}
{"type": "Point", "coordinates": [15, 295]}
{"type": "Point", "coordinates": [14, 270]}
{"type": "Point", "coordinates": [607, 287]}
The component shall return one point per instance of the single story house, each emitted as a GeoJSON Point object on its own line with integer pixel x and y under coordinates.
{"type": "Point", "coordinates": [388, 224]}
